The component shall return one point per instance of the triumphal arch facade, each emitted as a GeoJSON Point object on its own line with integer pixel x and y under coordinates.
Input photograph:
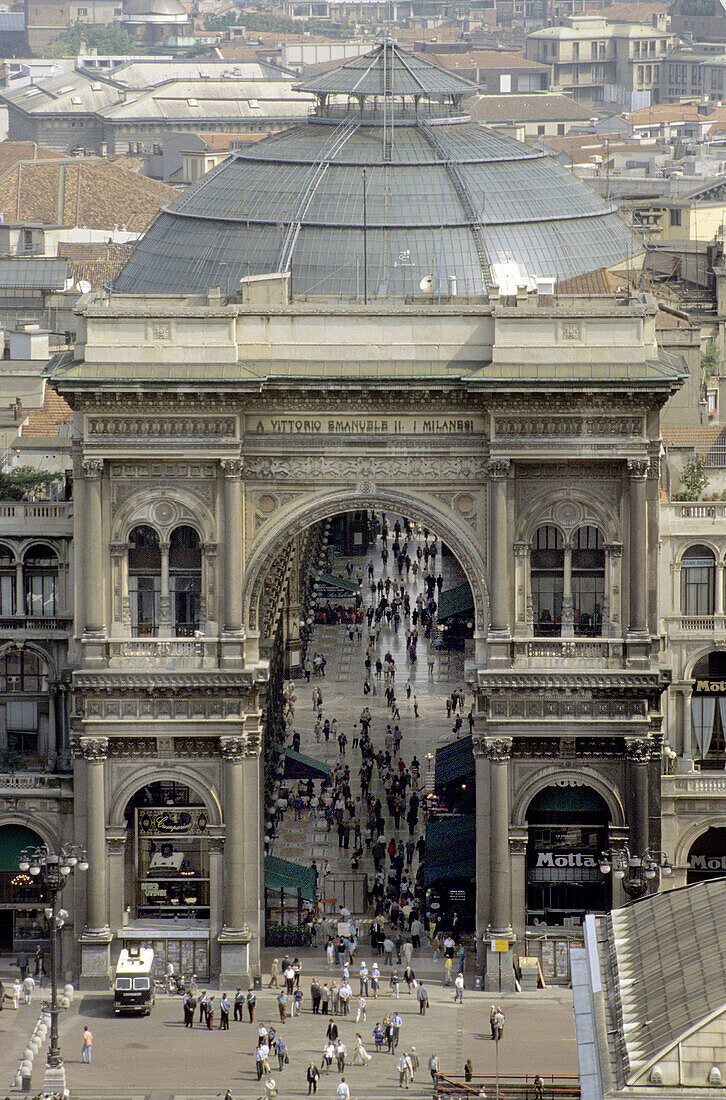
{"type": "Point", "coordinates": [212, 431]}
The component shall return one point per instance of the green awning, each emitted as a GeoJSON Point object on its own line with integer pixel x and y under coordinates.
{"type": "Point", "coordinates": [297, 765]}
{"type": "Point", "coordinates": [450, 848]}
{"type": "Point", "coordinates": [283, 874]}
{"type": "Point", "coordinates": [13, 838]}
{"type": "Point", "coordinates": [454, 762]}
{"type": "Point", "coordinates": [455, 601]}
{"type": "Point", "coordinates": [336, 584]}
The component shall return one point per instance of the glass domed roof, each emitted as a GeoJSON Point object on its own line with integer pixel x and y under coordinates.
{"type": "Point", "coordinates": [382, 187]}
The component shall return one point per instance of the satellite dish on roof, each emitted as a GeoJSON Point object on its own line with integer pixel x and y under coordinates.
{"type": "Point", "coordinates": [427, 284]}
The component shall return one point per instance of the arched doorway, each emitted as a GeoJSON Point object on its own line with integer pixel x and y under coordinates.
{"type": "Point", "coordinates": [707, 856]}
{"type": "Point", "coordinates": [167, 877]}
{"type": "Point", "coordinates": [708, 710]}
{"type": "Point", "coordinates": [568, 830]}
{"type": "Point", "coordinates": [22, 921]}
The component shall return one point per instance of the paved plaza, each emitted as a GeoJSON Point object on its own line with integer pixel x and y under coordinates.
{"type": "Point", "coordinates": [158, 1057]}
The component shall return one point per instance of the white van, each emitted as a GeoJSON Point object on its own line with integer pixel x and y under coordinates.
{"type": "Point", "coordinates": [133, 987]}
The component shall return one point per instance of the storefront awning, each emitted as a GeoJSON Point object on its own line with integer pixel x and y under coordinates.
{"type": "Point", "coordinates": [454, 763]}
{"type": "Point", "coordinates": [13, 839]}
{"type": "Point", "coordinates": [450, 848]}
{"type": "Point", "coordinates": [455, 601]}
{"type": "Point", "coordinates": [297, 766]}
{"type": "Point", "coordinates": [330, 585]}
{"type": "Point", "coordinates": [282, 874]}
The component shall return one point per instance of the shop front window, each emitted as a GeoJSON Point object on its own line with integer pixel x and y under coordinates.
{"type": "Point", "coordinates": [567, 832]}
{"type": "Point", "coordinates": [168, 854]}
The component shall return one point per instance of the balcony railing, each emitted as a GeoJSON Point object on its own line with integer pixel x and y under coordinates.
{"type": "Point", "coordinates": [534, 652]}
{"type": "Point", "coordinates": [184, 653]}
{"type": "Point", "coordinates": [49, 517]}
{"type": "Point", "coordinates": [36, 624]}
{"type": "Point", "coordinates": [693, 784]}
{"type": "Point", "coordinates": [695, 624]}
{"type": "Point", "coordinates": [31, 781]}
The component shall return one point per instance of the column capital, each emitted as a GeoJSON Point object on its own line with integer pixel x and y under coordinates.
{"type": "Point", "coordinates": [93, 749]}
{"type": "Point", "coordinates": [637, 749]}
{"type": "Point", "coordinates": [209, 549]}
{"type": "Point", "coordinates": [614, 549]}
{"type": "Point", "coordinates": [233, 749]}
{"type": "Point", "coordinates": [232, 467]}
{"type": "Point", "coordinates": [522, 549]}
{"type": "Point", "coordinates": [92, 468]}
{"type": "Point", "coordinates": [638, 468]}
{"type": "Point", "coordinates": [498, 749]}
{"type": "Point", "coordinates": [498, 467]}
{"type": "Point", "coordinates": [117, 549]}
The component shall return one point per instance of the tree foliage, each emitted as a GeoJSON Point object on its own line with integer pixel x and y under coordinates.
{"type": "Point", "coordinates": [23, 481]}
{"type": "Point", "coordinates": [694, 479]}
{"type": "Point", "coordinates": [113, 39]}
{"type": "Point", "coordinates": [710, 361]}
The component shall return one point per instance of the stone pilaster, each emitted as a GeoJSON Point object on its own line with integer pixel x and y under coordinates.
{"type": "Point", "coordinates": [232, 646]}
{"type": "Point", "coordinates": [638, 638]}
{"type": "Point", "coordinates": [498, 640]}
{"type": "Point", "coordinates": [235, 937]}
{"type": "Point", "coordinates": [638, 753]}
{"type": "Point", "coordinates": [96, 937]}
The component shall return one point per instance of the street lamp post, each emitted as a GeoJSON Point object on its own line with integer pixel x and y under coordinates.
{"type": "Point", "coordinates": [52, 870]}
{"type": "Point", "coordinates": [635, 871]}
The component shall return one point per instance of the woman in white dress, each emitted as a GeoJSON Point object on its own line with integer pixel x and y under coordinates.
{"type": "Point", "coordinates": [361, 1057]}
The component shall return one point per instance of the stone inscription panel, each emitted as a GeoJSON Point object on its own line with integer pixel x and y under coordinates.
{"type": "Point", "coordinates": [334, 424]}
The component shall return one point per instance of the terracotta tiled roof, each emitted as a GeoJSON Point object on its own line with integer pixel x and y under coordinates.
{"type": "Point", "coordinates": [592, 282]}
{"type": "Point", "coordinates": [87, 192]}
{"type": "Point", "coordinates": [485, 59]}
{"type": "Point", "coordinates": [47, 421]}
{"type": "Point", "coordinates": [663, 112]}
{"type": "Point", "coordinates": [13, 151]}
{"type": "Point", "coordinates": [94, 263]}
{"type": "Point", "coordinates": [633, 13]}
{"type": "Point", "coordinates": [703, 437]}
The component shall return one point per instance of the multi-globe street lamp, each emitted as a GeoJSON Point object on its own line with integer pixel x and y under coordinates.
{"type": "Point", "coordinates": [636, 872]}
{"type": "Point", "coordinates": [52, 870]}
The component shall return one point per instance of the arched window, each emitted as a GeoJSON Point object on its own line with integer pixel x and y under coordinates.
{"type": "Point", "coordinates": [588, 581]}
{"type": "Point", "coordinates": [7, 582]}
{"type": "Point", "coordinates": [185, 579]}
{"type": "Point", "coordinates": [547, 573]}
{"type": "Point", "coordinates": [144, 580]}
{"type": "Point", "coordinates": [40, 575]}
{"type": "Point", "coordinates": [698, 575]}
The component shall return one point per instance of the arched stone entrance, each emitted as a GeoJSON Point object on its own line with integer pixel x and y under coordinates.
{"type": "Point", "coordinates": [567, 832]}
{"type": "Point", "coordinates": [23, 926]}
{"type": "Point", "coordinates": [456, 530]}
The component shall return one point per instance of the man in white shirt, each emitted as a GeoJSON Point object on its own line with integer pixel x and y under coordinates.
{"type": "Point", "coordinates": [405, 1070]}
{"type": "Point", "coordinates": [342, 1091]}
{"type": "Point", "coordinates": [459, 994]}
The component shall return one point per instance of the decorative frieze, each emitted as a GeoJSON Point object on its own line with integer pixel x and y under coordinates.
{"type": "Point", "coordinates": [128, 747]}
{"type": "Point", "coordinates": [411, 467]}
{"type": "Point", "coordinates": [162, 471]}
{"type": "Point", "coordinates": [562, 427]}
{"type": "Point", "coordinates": [156, 429]}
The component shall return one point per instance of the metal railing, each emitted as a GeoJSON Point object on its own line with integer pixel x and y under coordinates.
{"type": "Point", "coordinates": [511, 1087]}
{"type": "Point", "coordinates": [38, 624]}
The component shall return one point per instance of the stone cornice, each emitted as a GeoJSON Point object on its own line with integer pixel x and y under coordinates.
{"type": "Point", "coordinates": [244, 680]}
{"type": "Point", "coordinates": [532, 680]}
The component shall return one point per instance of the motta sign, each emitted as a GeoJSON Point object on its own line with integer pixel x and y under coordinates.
{"type": "Point", "coordinates": [707, 863]}
{"type": "Point", "coordinates": [710, 687]}
{"type": "Point", "coordinates": [566, 859]}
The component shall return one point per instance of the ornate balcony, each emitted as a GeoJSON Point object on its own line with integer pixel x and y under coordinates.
{"type": "Point", "coordinates": [173, 653]}
{"type": "Point", "coordinates": [46, 517]}
{"type": "Point", "coordinates": [36, 625]}
{"type": "Point", "coordinates": [572, 652]}
{"type": "Point", "coordinates": [694, 784]}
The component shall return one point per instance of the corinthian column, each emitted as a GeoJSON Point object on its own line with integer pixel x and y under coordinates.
{"type": "Point", "coordinates": [96, 935]}
{"type": "Point", "coordinates": [499, 974]}
{"type": "Point", "coordinates": [92, 470]}
{"type": "Point", "coordinates": [637, 750]}
{"type": "Point", "coordinates": [638, 470]}
{"type": "Point", "coordinates": [241, 861]}
{"type": "Point", "coordinates": [232, 546]}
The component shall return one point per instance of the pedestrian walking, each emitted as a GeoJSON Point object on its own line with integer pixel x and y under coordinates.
{"type": "Point", "coordinates": [538, 1087]}
{"type": "Point", "coordinates": [361, 1057]}
{"type": "Point", "coordinates": [498, 1024]}
{"type": "Point", "coordinates": [274, 971]}
{"type": "Point", "coordinates": [224, 1007]}
{"type": "Point", "coordinates": [468, 1070]}
{"type": "Point", "coordinates": [340, 1053]}
{"type": "Point", "coordinates": [28, 989]}
{"type": "Point", "coordinates": [239, 1005]}
{"type": "Point", "coordinates": [328, 1056]}
{"type": "Point", "coordinates": [270, 1088]}
{"type": "Point", "coordinates": [282, 1055]}
{"type": "Point", "coordinates": [415, 1063]}
{"type": "Point", "coordinates": [342, 1091]}
{"type": "Point", "coordinates": [361, 1013]}
{"type": "Point", "coordinates": [313, 1076]}
{"type": "Point", "coordinates": [459, 988]}
{"type": "Point", "coordinates": [87, 1047]}
{"type": "Point", "coordinates": [251, 1002]}
{"type": "Point", "coordinates": [282, 999]}
{"type": "Point", "coordinates": [422, 994]}
{"type": "Point", "coordinates": [405, 1070]}
{"type": "Point", "coordinates": [434, 1070]}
